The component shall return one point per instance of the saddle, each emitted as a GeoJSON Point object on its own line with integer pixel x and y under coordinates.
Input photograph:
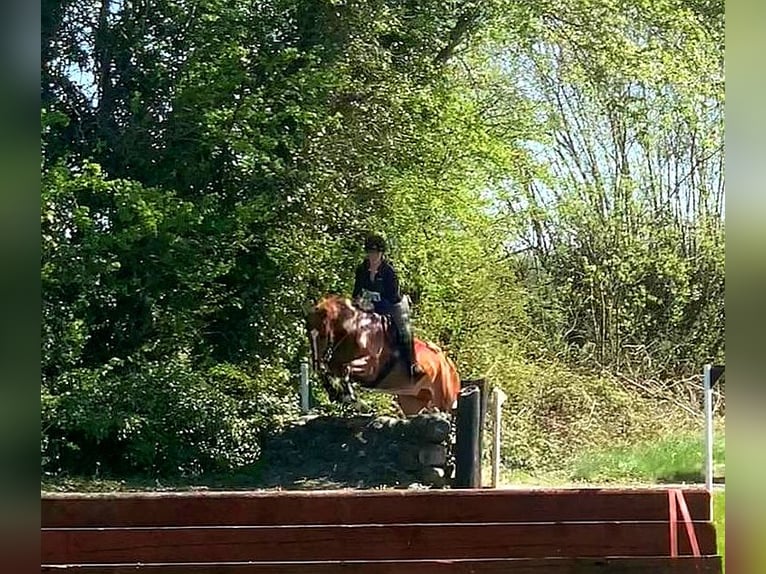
{"type": "Point", "coordinates": [393, 333]}
{"type": "Point", "coordinates": [396, 324]}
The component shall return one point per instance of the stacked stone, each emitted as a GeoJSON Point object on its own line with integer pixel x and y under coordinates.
{"type": "Point", "coordinates": [360, 452]}
{"type": "Point", "coordinates": [423, 447]}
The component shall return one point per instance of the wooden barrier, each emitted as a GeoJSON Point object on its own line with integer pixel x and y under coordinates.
{"type": "Point", "coordinates": [436, 531]}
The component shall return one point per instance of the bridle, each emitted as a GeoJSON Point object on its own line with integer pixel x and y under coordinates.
{"type": "Point", "coordinates": [329, 351]}
{"type": "Point", "coordinates": [321, 363]}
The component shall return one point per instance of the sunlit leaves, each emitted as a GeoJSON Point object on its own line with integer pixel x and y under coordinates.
{"type": "Point", "coordinates": [633, 96]}
{"type": "Point", "coordinates": [548, 175]}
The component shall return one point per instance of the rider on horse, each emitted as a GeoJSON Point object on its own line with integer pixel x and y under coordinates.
{"type": "Point", "coordinates": [377, 280]}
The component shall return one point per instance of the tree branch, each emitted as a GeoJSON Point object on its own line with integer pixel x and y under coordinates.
{"type": "Point", "coordinates": [463, 27]}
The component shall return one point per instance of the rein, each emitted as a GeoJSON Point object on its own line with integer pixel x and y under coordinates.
{"type": "Point", "coordinates": [332, 347]}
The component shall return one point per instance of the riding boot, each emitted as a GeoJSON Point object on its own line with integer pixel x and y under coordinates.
{"type": "Point", "coordinates": [416, 371]}
{"type": "Point", "coordinates": [406, 340]}
{"type": "Point", "coordinates": [408, 356]}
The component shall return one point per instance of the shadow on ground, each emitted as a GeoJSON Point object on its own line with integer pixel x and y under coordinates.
{"type": "Point", "coordinates": [688, 478]}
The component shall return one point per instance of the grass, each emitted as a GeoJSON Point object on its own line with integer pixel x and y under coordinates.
{"type": "Point", "coordinates": [674, 459]}
{"type": "Point", "coordinates": [719, 519]}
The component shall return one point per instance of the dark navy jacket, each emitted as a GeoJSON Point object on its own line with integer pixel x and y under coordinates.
{"type": "Point", "coordinates": [385, 283]}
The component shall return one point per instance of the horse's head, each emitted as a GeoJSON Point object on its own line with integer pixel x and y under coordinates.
{"type": "Point", "coordinates": [324, 324]}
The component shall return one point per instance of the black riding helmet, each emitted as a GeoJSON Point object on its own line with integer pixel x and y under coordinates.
{"type": "Point", "coordinates": [375, 242]}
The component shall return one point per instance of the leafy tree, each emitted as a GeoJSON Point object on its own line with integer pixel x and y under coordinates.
{"type": "Point", "coordinates": [549, 177]}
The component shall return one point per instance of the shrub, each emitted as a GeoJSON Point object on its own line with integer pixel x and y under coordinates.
{"type": "Point", "coordinates": [160, 418]}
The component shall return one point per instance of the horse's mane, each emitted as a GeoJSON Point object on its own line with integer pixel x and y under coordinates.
{"type": "Point", "coordinates": [334, 307]}
{"type": "Point", "coordinates": [432, 346]}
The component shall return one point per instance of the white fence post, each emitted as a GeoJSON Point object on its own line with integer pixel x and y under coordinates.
{"type": "Point", "coordinates": [498, 398]}
{"type": "Point", "coordinates": [304, 387]}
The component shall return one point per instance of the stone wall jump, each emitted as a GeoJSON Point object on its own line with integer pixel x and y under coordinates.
{"type": "Point", "coordinates": [360, 452]}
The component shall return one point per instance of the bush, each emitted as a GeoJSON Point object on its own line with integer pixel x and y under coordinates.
{"type": "Point", "coordinates": [553, 414]}
{"type": "Point", "coordinates": [159, 418]}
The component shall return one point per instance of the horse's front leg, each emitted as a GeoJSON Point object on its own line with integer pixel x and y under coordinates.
{"type": "Point", "coordinates": [347, 389]}
{"type": "Point", "coordinates": [335, 394]}
{"type": "Point", "coordinates": [360, 367]}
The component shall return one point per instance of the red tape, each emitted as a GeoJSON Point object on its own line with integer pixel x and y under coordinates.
{"type": "Point", "coordinates": [676, 497]}
{"type": "Point", "coordinates": [673, 523]}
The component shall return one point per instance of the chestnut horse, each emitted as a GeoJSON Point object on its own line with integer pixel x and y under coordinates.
{"type": "Point", "coordinates": [360, 346]}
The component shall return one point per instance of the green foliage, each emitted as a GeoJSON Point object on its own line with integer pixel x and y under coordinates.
{"type": "Point", "coordinates": [159, 417]}
{"type": "Point", "coordinates": [625, 231]}
{"type": "Point", "coordinates": [124, 268]}
{"type": "Point", "coordinates": [554, 413]}
{"type": "Point", "coordinates": [638, 303]}
{"type": "Point", "coordinates": [549, 177]}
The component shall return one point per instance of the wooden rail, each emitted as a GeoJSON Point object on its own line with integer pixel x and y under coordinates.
{"type": "Point", "coordinates": [440, 531]}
